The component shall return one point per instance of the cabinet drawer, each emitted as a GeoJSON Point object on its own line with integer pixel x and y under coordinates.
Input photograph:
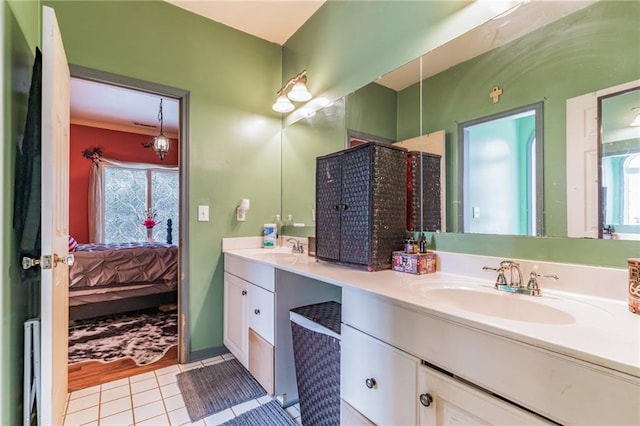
{"type": "Point", "coordinates": [256, 273]}
{"type": "Point", "coordinates": [260, 312]}
{"type": "Point", "coordinates": [378, 380]}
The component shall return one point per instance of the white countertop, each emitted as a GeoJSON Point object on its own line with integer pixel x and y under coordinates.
{"type": "Point", "coordinates": [593, 329]}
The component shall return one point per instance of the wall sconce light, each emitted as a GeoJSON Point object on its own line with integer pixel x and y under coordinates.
{"type": "Point", "coordinates": [160, 143]}
{"type": "Point", "coordinates": [636, 121]}
{"type": "Point", "coordinates": [241, 210]}
{"type": "Point", "coordinates": [294, 90]}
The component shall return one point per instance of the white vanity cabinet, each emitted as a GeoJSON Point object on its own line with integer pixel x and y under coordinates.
{"type": "Point", "coordinates": [445, 400]}
{"type": "Point", "coordinates": [377, 380]}
{"type": "Point", "coordinates": [493, 373]}
{"type": "Point", "coordinates": [235, 317]}
{"type": "Point", "coordinates": [257, 329]}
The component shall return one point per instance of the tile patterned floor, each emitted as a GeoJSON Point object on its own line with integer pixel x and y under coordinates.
{"type": "Point", "coordinates": [149, 399]}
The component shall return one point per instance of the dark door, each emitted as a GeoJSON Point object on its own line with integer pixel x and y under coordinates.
{"type": "Point", "coordinates": [328, 206]}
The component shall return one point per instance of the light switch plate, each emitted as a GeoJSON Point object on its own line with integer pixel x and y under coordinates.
{"type": "Point", "coordinates": [203, 213]}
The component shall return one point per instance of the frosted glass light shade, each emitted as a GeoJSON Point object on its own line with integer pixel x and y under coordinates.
{"type": "Point", "coordinates": [636, 122]}
{"type": "Point", "coordinates": [282, 104]}
{"type": "Point", "coordinates": [160, 145]}
{"type": "Point", "coordinates": [299, 93]}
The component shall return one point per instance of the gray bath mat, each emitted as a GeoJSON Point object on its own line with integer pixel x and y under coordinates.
{"type": "Point", "coordinates": [216, 387]}
{"type": "Point", "coordinates": [270, 414]}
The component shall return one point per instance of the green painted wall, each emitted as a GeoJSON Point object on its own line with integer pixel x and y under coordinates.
{"type": "Point", "coordinates": [234, 137]}
{"type": "Point", "coordinates": [20, 35]}
{"type": "Point", "coordinates": [372, 110]}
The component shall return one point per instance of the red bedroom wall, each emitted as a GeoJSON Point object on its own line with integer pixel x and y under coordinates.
{"type": "Point", "coordinates": [117, 145]}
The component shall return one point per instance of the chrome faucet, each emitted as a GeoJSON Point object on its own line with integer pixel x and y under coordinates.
{"type": "Point", "coordinates": [296, 245]}
{"type": "Point", "coordinates": [515, 283]}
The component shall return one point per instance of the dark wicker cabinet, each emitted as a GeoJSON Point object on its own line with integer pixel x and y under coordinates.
{"type": "Point", "coordinates": [361, 205]}
{"type": "Point", "coordinates": [423, 187]}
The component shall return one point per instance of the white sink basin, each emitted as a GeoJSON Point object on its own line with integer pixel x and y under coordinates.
{"type": "Point", "coordinates": [500, 304]}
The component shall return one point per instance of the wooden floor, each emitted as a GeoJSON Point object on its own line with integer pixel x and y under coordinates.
{"type": "Point", "coordinates": [91, 373]}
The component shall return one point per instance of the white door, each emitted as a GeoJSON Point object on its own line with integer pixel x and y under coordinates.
{"type": "Point", "coordinates": [235, 317]}
{"type": "Point", "coordinates": [582, 161]}
{"type": "Point", "coordinates": [55, 219]}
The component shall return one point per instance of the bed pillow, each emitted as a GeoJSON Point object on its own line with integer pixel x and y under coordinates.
{"type": "Point", "coordinates": [73, 244]}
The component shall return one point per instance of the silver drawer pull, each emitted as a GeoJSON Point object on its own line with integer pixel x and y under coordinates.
{"type": "Point", "coordinates": [426, 399]}
{"type": "Point", "coordinates": [256, 311]}
{"type": "Point", "coordinates": [371, 383]}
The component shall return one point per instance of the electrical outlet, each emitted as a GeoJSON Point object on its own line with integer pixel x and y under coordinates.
{"type": "Point", "coordinates": [476, 212]}
{"type": "Point", "coordinates": [203, 213]}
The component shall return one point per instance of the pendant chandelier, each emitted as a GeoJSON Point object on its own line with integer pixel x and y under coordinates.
{"type": "Point", "coordinates": [160, 143]}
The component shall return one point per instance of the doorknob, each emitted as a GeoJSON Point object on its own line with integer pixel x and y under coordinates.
{"type": "Point", "coordinates": [46, 262]}
{"type": "Point", "coordinates": [68, 259]}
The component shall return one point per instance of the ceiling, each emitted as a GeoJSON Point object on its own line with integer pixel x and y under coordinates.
{"type": "Point", "coordinates": [274, 21]}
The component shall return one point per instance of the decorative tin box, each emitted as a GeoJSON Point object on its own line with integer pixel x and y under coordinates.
{"type": "Point", "coordinates": [634, 285]}
{"type": "Point", "coordinates": [414, 263]}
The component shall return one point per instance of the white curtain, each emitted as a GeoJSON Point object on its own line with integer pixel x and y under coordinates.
{"type": "Point", "coordinates": [96, 191]}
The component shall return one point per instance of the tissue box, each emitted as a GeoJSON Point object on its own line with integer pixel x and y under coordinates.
{"type": "Point", "coordinates": [414, 263]}
{"type": "Point", "coordinates": [634, 285]}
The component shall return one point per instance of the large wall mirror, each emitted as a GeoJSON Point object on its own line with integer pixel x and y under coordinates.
{"type": "Point", "coordinates": [540, 52]}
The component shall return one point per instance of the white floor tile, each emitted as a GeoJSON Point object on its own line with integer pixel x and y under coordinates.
{"type": "Point", "coordinates": [144, 385]}
{"type": "Point", "coordinates": [219, 418]}
{"type": "Point", "coordinates": [214, 360]}
{"type": "Point", "coordinates": [120, 419]}
{"type": "Point", "coordinates": [174, 402]}
{"type": "Point", "coordinates": [245, 406]}
{"type": "Point", "coordinates": [293, 411]}
{"type": "Point", "coordinates": [83, 402]}
{"type": "Point", "coordinates": [167, 370]}
{"type": "Point", "coordinates": [264, 399]}
{"type": "Point", "coordinates": [148, 411]}
{"type": "Point", "coordinates": [227, 356]}
{"type": "Point", "coordinates": [155, 421]}
{"type": "Point", "coordinates": [114, 393]}
{"type": "Point", "coordinates": [82, 417]}
{"type": "Point", "coordinates": [116, 406]}
{"type": "Point", "coordinates": [170, 390]}
{"type": "Point", "coordinates": [165, 379]}
{"type": "Point", "coordinates": [179, 417]}
{"type": "Point", "coordinates": [84, 392]}
{"type": "Point", "coordinates": [141, 377]}
{"type": "Point", "coordinates": [115, 384]}
{"type": "Point", "coordinates": [190, 366]}
{"type": "Point", "coordinates": [146, 397]}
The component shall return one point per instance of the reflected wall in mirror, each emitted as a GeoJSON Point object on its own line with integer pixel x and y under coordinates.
{"type": "Point", "coordinates": [619, 149]}
{"type": "Point", "coordinates": [541, 52]}
{"type": "Point", "coordinates": [501, 183]}
{"type": "Point", "coordinates": [591, 48]}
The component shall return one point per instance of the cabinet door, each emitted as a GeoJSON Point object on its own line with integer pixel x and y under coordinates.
{"type": "Point", "coordinates": [377, 380]}
{"type": "Point", "coordinates": [261, 313]}
{"type": "Point", "coordinates": [443, 400]}
{"type": "Point", "coordinates": [328, 206]}
{"type": "Point", "coordinates": [235, 317]}
{"type": "Point", "coordinates": [356, 206]}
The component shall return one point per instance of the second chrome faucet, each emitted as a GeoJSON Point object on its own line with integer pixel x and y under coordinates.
{"type": "Point", "coordinates": [515, 284]}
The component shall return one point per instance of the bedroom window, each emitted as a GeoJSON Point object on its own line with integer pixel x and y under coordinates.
{"type": "Point", "coordinates": [129, 193]}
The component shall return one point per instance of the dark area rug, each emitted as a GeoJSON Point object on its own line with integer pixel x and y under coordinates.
{"type": "Point", "coordinates": [271, 414]}
{"type": "Point", "coordinates": [145, 336]}
{"type": "Point", "coordinates": [216, 387]}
